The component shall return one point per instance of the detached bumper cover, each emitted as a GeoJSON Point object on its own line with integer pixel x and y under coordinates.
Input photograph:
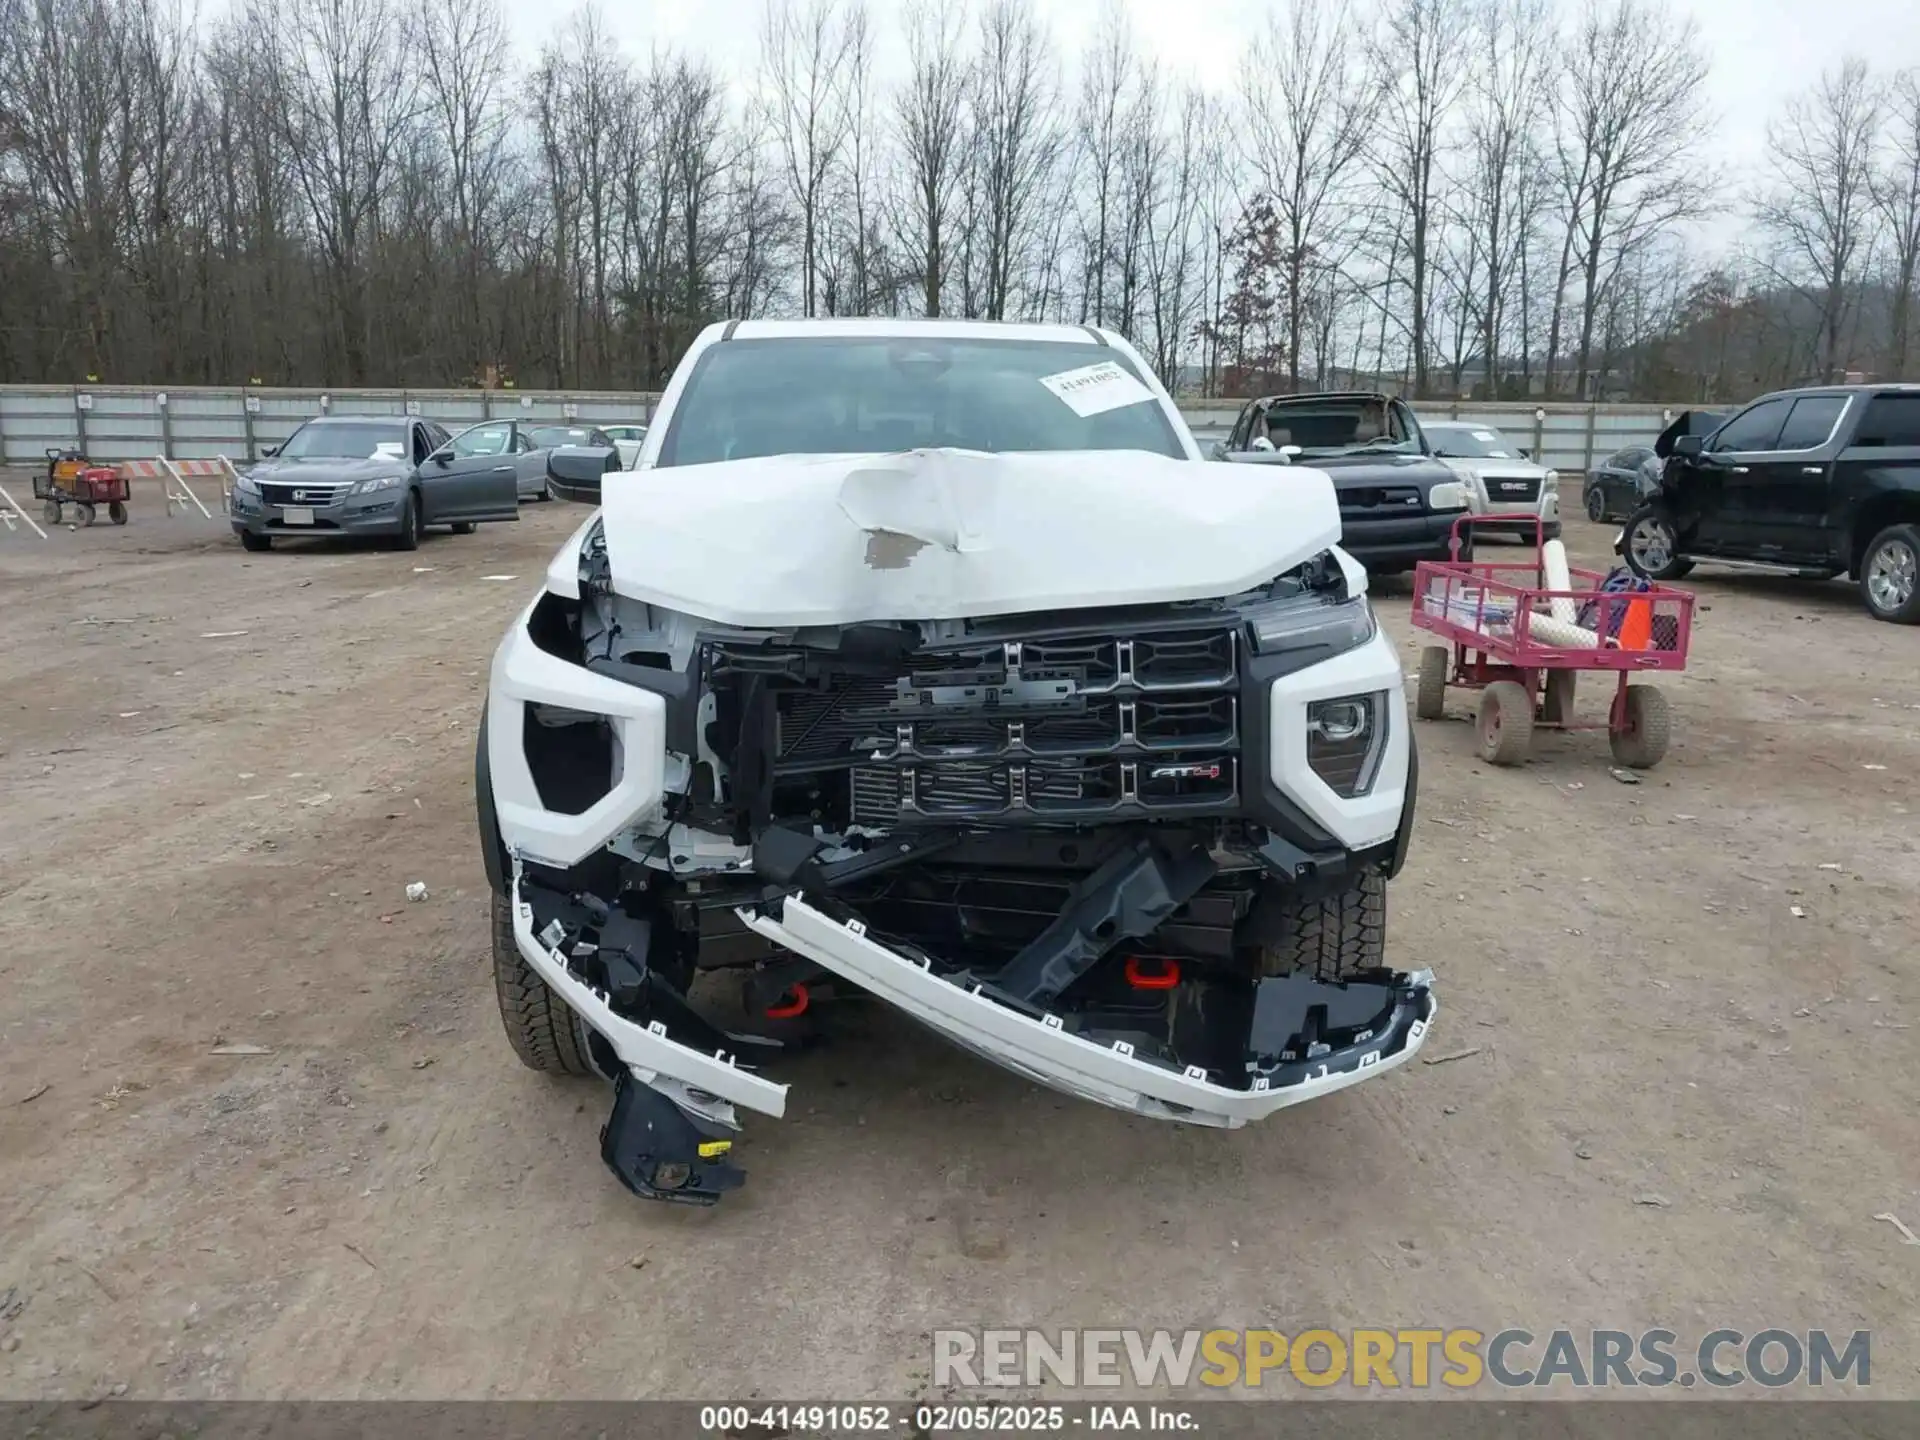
{"type": "Point", "coordinates": [1110, 1074]}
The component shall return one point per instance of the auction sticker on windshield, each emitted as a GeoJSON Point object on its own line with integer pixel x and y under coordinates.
{"type": "Point", "coordinates": [1096, 389]}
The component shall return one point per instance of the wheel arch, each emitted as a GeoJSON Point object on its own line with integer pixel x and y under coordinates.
{"type": "Point", "coordinates": [1894, 507]}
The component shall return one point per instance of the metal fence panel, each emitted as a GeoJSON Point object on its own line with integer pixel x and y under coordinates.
{"type": "Point", "coordinates": [202, 422]}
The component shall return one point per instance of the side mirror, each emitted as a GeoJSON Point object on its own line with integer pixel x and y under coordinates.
{"type": "Point", "coordinates": [1292, 452]}
{"type": "Point", "coordinates": [1690, 447]}
{"type": "Point", "coordinates": [1217, 450]}
{"type": "Point", "coordinates": [269, 452]}
{"type": "Point", "coordinates": [575, 473]}
{"type": "Point", "coordinates": [442, 458]}
{"type": "Point", "coordinates": [1525, 454]}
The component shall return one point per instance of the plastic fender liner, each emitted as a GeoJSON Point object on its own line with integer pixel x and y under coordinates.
{"type": "Point", "coordinates": [1404, 835]}
{"type": "Point", "coordinates": [1043, 1050]}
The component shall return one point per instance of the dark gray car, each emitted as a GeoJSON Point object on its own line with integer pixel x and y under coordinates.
{"type": "Point", "coordinates": [367, 475]}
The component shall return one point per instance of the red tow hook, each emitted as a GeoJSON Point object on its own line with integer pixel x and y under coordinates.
{"type": "Point", "coordinates": [1143, 974]}
{"type": "Point", "coordinates": [791, 1002]}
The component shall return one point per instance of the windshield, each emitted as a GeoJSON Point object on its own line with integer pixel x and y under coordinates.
{"type": "Point", "coordinates": [1341, 427]}
{"type": "Point", "coordinates": [1471, 442]}
{"type": "Point", "coordinates": [348, 440]}
{"type": "Point", "coordinates": [879, 395]}
{"type": "Point", "coordinates": [547, 437]}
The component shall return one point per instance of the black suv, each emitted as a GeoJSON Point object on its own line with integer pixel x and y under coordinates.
{"type": "Point", "coordinates": [1823, 481]}
{"type": "Point", "coordinates": [1398, 501]}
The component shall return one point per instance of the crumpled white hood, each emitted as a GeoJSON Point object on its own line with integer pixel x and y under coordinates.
{"type": "Point", "coordinates": [950, 534]}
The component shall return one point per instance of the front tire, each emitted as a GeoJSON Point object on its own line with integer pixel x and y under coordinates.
{"type": "Point", "coordinates": [1652, 545]}
{"type": "Point", "coordinates": [1596, 506]}
{"type": "Point", "coordinates": [1890, 575]}
{"type": "Point", "coordinates": [1332, 937]}
{"type": "Point", "coordinates": [410, 527]}
{"type": "Point", "coordinates": [1643, 744]}
{"type": "Point", "coordinates": [255, 543]}
{"type": "Point", "coordinates": [543, 1032]}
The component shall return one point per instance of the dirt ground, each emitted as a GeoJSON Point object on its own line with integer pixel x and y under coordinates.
{"type": "Point", "coordinates": [1687, 1006]}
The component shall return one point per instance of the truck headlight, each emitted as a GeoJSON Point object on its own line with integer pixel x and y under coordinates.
{"type": "Point", "coordinates": [1551, 484]}
{"type": "Point", "coordinates": [1346, 736]}
{"type": "Point", "coordinates": [1310, 622]}
{"type": "Point", "coordinates": [1448, 495]}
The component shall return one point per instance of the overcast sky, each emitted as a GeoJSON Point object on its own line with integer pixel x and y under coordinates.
{"type": "Point", "coordinates": [1762, 49]}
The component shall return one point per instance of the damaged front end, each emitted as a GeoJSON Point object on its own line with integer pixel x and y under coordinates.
{"type": "Point", "coordinates": [1136, 854]}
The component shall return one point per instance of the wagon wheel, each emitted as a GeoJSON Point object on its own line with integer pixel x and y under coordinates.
{"type": "Point", "coordinates": [51, 511]}
{"type": "Point", "coordinates": [83, 513]}
{"type": "Point", "coordinates": [1505, 722]}
{"type": "Point", "coordinates": [1556, 705]}
{"type": "Point", "coordinates": [1430, 699]}
{"type": "Point", "coordinates": [117, 512]}
{"type": "Point", "coordinates": [1641, 742]}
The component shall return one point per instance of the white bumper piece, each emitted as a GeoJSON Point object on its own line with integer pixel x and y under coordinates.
{"type": "Point", "coordinates": [1042, 1050]}
{"type": "Point", "coordinates": [644, 1049]}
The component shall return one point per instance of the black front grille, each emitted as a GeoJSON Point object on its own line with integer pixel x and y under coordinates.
{"type": "Point", "coordinates": [1380, 500]}
{"type": "Point", "coordinates": [1501, 491]}
{"type": "Point", "coordinates": [312, 496]}
{"type": "Point", "coordinates": [1050, 728]}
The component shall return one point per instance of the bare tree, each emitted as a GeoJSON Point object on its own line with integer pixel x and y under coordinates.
{"type": "Point", "coordinates": [1818, 209]}
{"type": "Point", "coordinates": [465, 73]}
{"type": "Point", "coordinates": [804, 57]}
{"type": "Point", "coordinates": [1629, 124]}
{"type": "Point", "coordinates": [930, 119]}
{"type": "Point", "coordinates": [1896, 194]}
{"type": "Point", "coordinates": [350, 98]}
{"type": "Point", "coordinates": [1308, 110]}
{"type": "Point", "coordinates": [1016, 141]}
{"type": "Point", "coordinates": [1418, 72]}
{"type": "Point", "coordinates": [1505, 102]}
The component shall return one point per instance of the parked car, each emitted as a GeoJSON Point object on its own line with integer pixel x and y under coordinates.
{"type": "Point", "coordinates": [1398, 502]}
{"type": "Point", "coordinates": [525, 448]}
{"type": "Point", "coordinates": [1622, 482]}
{"type": "Point", "coordinates": [983, 696]}
{"type": "Point", "coordinates": [629, 439]}
{"type": "Point", "coordinates": [1616, 486]}
{"type": "Point", "coordinates": [1824, 482]}
{"type": "Point", "coordinates": [365, 475]}
{"type": "Point", "coordinates": [1504, 479]}
{"type": "Point", "coordinates": [553, 437]}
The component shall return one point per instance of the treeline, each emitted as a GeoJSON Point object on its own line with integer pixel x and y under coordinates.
{"type": "Point", "coordinates": [1451, 196]}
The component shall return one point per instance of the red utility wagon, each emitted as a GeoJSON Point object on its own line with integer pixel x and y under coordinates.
{"type": "Point", "coordinates": [1520, 643]}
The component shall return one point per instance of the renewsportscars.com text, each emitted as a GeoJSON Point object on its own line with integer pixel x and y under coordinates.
{"type": "Point", "coordinates": [1417, 1359]}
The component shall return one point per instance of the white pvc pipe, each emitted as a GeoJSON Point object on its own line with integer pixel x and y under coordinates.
{"type": "Point", "coordinates": [1552, 630]}
{"type": "Point", "coordinates": [1553, 561]}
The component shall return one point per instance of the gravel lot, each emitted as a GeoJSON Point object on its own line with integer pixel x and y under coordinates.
{"type": "Point", "coordinates": [1689, 1005]}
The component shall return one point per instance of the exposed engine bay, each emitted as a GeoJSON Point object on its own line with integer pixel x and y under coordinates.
{"type": "Point", "coordinates": [1063, 839]}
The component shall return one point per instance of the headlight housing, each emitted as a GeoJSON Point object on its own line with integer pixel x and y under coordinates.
{"type": "Point", "coordinates": [1448, 495]}
{"type": "Point", "coordinates": [1551, 483]}
{"type": "Point", "coordinates": [1309, 622]}
{"type": "Point", "coordinates": [379, 482]}
{"type": "Point", "coordinates": [1346, 738]}
{"type": "Point", "coordinates": [245, 485]}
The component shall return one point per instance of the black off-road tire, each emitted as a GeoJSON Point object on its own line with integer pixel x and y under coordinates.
{"type": "Point", "coordinates": [544, 1033]}
{"type": "Point", "coordinates": [255, 543]}
{"type": "Point", "coordinates": [1334, 937]}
